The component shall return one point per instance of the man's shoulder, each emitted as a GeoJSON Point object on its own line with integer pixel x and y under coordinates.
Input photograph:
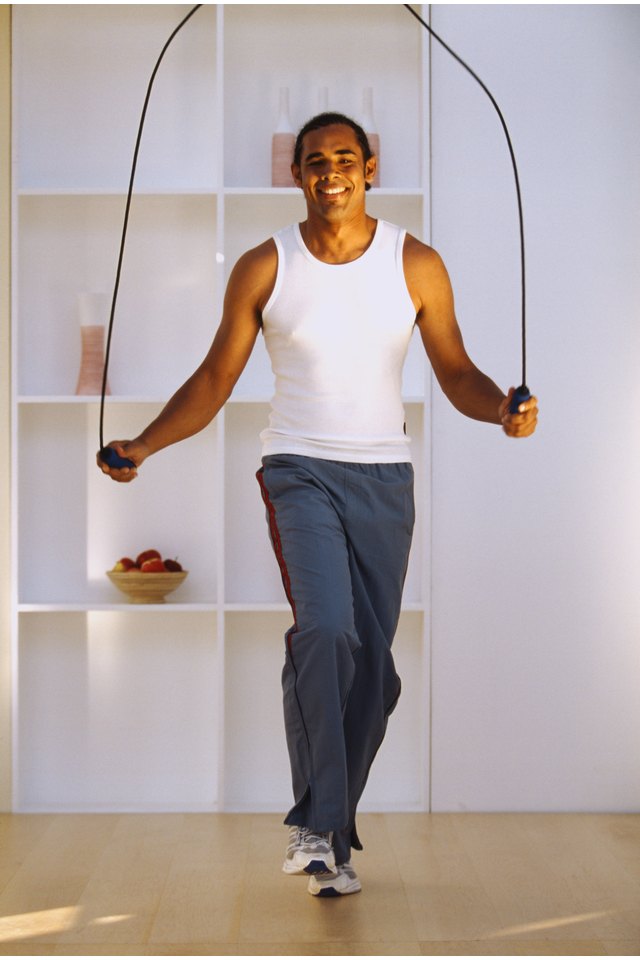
{"type": "Point", "coordinates": [420, 259]}
{"type": "Point", "coordinates": [253, 275]}
{"type": "Point", "coordinates": [261, 256]}
{"type": "Point", "coordinates": [257, 265]}
{"type": "Point", "coordinates": [424, 269]}
{"type": "Point", "coordinates": [417, 251]}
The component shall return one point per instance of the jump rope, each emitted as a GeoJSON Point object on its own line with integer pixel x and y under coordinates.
{"type": "Point", "coordinates": [107, 454]}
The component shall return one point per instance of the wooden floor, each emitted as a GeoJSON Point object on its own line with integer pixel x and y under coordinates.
{"type": "Point", "coordinates": [207, 884]}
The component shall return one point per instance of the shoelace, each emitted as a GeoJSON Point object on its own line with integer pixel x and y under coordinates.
{"type": "Point", "coordinates": [305, 835]}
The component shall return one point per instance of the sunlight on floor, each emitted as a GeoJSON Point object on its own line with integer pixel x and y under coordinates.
{"type": "Point", "coordinates": [105, 921]}
{"type": "Point", "coordinates": [551, 924]}
{"type": "Point", "coordinates": [38, 923]}
{"type": "Point", "coordinates": [41, 923]}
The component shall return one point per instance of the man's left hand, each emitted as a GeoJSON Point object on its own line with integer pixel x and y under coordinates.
{"type": "Point", "coordinates": [524, 422]}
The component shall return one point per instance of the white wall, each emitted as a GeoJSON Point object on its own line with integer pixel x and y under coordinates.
{"type": "Point", "coordinates": [536, 544]}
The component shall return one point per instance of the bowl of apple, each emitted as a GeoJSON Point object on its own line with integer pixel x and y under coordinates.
{"type": "Point", "coordinates": [148, 578]}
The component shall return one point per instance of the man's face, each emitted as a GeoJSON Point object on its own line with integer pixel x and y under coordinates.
{"type": "Point", "coordinates": [332, 171]}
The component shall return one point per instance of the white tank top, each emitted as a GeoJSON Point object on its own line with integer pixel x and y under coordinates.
{"type": "Point", "coordinates": [337, 336]}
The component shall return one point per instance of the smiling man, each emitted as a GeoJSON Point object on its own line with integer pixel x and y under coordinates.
{"type": "Point", "coordinates": [337, 299]}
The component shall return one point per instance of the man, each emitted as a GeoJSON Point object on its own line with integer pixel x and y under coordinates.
{"type": "Point", "coordinates": [337, 298]}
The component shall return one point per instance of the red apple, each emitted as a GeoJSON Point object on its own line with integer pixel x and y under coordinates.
{"type": "Point", "coordinates": [173, 566]}
{"type": "Point", "coordinates": [124, 564]}
{"type": "Point", "coordinates": [147, 555]}
{"type": "Point", "coordinates": [153, 565]}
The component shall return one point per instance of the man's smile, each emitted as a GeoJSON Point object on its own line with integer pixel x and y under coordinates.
{"type": "Point", "coordinates": [331, 191]}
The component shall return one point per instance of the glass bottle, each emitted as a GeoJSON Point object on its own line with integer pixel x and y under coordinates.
{"type": "Point", "coordinates": [282, 144]}
{"type": "Point", "coordinates": [92, 308]}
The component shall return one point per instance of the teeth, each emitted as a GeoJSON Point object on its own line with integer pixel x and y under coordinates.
{"type": "Point", "coordinates": [332, 190]}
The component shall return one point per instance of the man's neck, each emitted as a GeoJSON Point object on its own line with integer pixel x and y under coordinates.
{"type": "Point", "coordinates": [339, 242]}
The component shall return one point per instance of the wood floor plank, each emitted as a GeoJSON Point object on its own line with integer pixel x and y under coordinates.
{"type": "Point", "coordinates": [376, 949]}
{"type": "Point", "coordinates": [20, 949]}
{"type": "Point", "coordinates": [120, 899]}
{"type": "Point", "coordinates": [18, 835]}
{"type": "Point", "coordinates": [146, 950]}
{"type": "Point", "coordinates": [622, 948]}
{"type": "Point", "coordinates": [528, 896]}
{"type": "Point", "coordinates": [200, 903]}
{"type": "Point", "coordinates": [41, 899]}
{"type": "Point", "coordinates": [620, 835]}
{"type": "Point", "coordinates": [444, 891]}
{"type": "Point", "coordinates": [511, 948]}
{"type": "Point", "coordinates": [583, 856]}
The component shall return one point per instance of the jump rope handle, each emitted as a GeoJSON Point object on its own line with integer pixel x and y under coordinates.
{"type": "Point", "coordinates": [521, 394]}
{"type": "Point", "coordinates": [112, 459]}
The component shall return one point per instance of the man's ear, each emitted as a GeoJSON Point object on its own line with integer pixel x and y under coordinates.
{"type": "Point", "coordinates": [295, 173]}
{"type": "Point", "coordinates": [370, 168]}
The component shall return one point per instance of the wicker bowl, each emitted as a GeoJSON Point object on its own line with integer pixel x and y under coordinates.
{"type": "Point", "coordinates": [146, 587]}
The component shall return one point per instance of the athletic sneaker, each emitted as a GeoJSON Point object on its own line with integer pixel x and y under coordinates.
{"type": "Point", "coordinates": [309, 852]}
{"type": "Point", "coordinates": [343, 881]}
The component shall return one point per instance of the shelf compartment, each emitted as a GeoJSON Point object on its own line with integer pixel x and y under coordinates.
{"type": "Point", "coordinates": [166, 310]}
{"type": "Point", "coordinates": [79, 98]}
{"type": "Point", "coordinates": [250, 219]}
{"type": "Point", "coordinates": [256, 38]}
{"type": "Point", "coordinates": [256, 769]}
{"type": "Point", "coordinates": [116, 731]}
{"type": "Point", "coordinates": [75, 522]}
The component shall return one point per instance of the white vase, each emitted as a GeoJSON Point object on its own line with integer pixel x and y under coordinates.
{"type": "Point", "coordinates": [92, 311]}
{"type": "Point", "coordinates": [371, 129]}
{"type": "Point", "coordinates": [282, 144]}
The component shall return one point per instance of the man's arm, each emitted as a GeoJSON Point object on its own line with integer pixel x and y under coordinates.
{"type": "Point", "coordinates": [471, 391]}
{"type": "Point", "coordinates": [199, 399]}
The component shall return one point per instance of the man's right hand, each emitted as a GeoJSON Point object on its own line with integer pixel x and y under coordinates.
{"type": "Point", "coordinates": [132, 450]}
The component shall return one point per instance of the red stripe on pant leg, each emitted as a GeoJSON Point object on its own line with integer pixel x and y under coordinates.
{"type": "Point", "coordinates": [277, 545]}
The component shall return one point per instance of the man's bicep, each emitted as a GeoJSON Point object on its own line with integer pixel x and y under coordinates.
{"type": "Point", "coordinates": [232, 346]}
{"type": "Point", "coordinates": [437, 322]}
{"type": "Point", "coordinates": [247, 290]}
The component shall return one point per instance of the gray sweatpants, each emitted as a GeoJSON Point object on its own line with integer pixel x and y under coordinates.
{"type": "Point", "coordinates": [341, 533]}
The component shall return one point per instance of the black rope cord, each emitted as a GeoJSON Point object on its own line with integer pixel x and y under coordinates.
{"type": "Point", "coordinates": [522, 390]}
{"type": "Point", "coordinates": [108, 454]}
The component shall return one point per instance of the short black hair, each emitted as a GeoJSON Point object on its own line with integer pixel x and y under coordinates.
{"type": "Point", "coordinates": [329, 120]}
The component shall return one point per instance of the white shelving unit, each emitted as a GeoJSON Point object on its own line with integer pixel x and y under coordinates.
{"type": "Point", "coordinates": [177, 706]}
